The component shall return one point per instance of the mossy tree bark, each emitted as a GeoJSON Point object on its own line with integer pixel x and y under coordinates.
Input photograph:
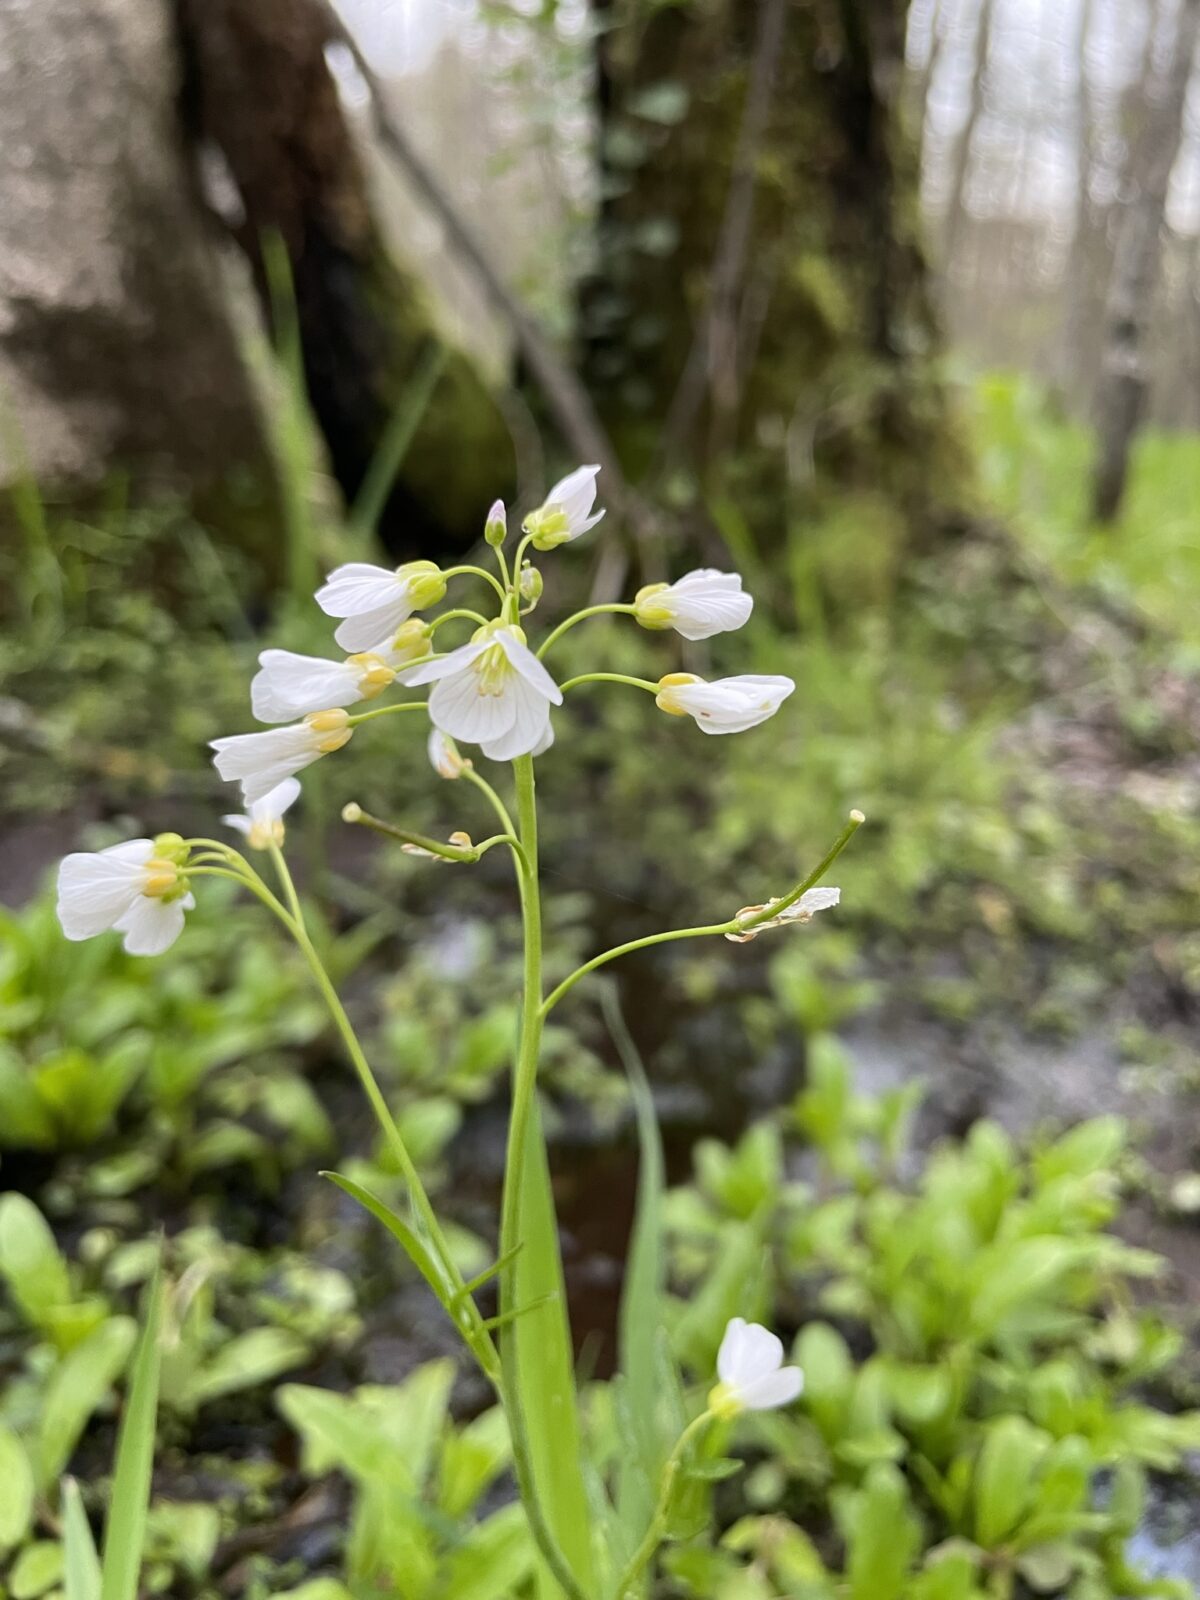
{"type": "Point", "coordinates": [760, 321]}
{"type": "Point", "coordinates": [260, 89]}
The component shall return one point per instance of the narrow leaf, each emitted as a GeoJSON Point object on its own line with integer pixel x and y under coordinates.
{"type": "Point", "coordinates": [416, 1249]}
{"type": "Point", "coordinates": [81, 1573]}
{"type": "Point", "coordinates": [126, 1528]}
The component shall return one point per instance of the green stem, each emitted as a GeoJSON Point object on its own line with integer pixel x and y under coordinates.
{"type": "Point", "coordinates": [476, 572]}
{"type": "Point", "coordinates": [588, 611]}
{"type": "Point", "coordinates": [627, 949]}
{"type": "Point", "coordinates": [493, 799]}
{"type": "Point", "coordinates": [768, 912]}
{"type": "Point", "coordinates": [285, 879]}
{"type": "Point", "coordinates": [610, 677]}
{"type": "Point", "coordinates": [523, 1104]}
{"type": "Point", "coordinates": [653, 1537]}
{"type": "Point", "coordinates": [386, 711]}
{"type": "Point", "coordinates": [458, 611]}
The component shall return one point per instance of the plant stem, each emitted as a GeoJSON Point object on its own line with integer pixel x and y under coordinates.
{"type": "Point", "coordinates": [748, 924]}
{"type": "Point", "coordinates": [519, 1129]}
{"type": "Point", "coordinates": [385, 711]}
{"type": "Point", "coordinates": [451, 616]}
{"type": "Point", "coordinates": [588, 611]}
{"type": "Point", "coordinates": [627, 949]}
{"type": "Point", "coordinates": [609, 677]}
{"type": "Point", "coordinates": [476, 572]}
{"type": "Point", "coordinates": [644, 1554]}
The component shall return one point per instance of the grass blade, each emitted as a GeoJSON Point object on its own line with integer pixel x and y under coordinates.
{"type": "Point", "coordinates": [397, 437]}
{"type": "Point", "coordinates": [81, 1575]}
{"type": "Point", "coordinates": [125, 1532]}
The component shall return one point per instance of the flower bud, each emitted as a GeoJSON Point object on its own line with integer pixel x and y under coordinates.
{"type": "Point", "coordinates": [495, 529]}
{"type": "Point", "coordinates": [646, 612]}
{"type": "Point", "coordinates": [411, 641]}
{"type": "Point", "coordinates": [530, 585]}
{"type": "Point", "coordinates": [171, 847]}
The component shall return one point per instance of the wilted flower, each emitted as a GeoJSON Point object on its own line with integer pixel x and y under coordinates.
{"type": "Point", "coordinates": [730, 705]}
{"type": "Point", "coordinates": [799, 912]}
{"type": "Point", "coordinates": [493, 692]}
{"type": "Point", "coordinates": [139, 889]}
{"type": "Point", "coordinates": [262, 822]}
{"type": "Point", "coordinates": [750, 1367]}
{"type": "Point", "coordinates": [697, 605]}
{"type": "Point", "coordinates": [444, 757]}
{"type": "Point", "coordinates": [261, 761]}
{"type": "Point", "coordinates": [565, 513]}
{"type": "Point", "coordinates": [375, 601]}
{"type": "Point", "coordinates": [460, 840]}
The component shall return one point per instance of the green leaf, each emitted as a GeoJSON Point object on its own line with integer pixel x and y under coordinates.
{"type": "Point", "coordinates": [246, 1361]}
{"type": "Point", "coordinates": [16, 1500]}
{"type": "Point", "coordinates": [39, 1567]}
{"type": "Point", "coordinates": [81, 1563]}
{"type": "Point", "coordinates": [544, 1363]}
{"type": "Point", "coordinates": [125, 1531]}
{"type": "Point", "coordinates": [494, 1562]}
{"type": "Point", "coordinates": [76, 1387]}
{"type": "Point", "coordinates": [824, 1358]}
{"type": "Point", "coordinates": [415, 1248]}
{"type": "Point", "coordinates": [471, 1459]}
{"type": "Point", "coordinates": [883, 1538]}
{"type": "Point", "coordinates": [1006, 1478]}
{"type": "Point", "coordinates": [30, 1261]}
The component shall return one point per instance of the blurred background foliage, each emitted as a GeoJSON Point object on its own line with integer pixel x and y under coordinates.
{"type": "Point", "coordinates": [717, 247]}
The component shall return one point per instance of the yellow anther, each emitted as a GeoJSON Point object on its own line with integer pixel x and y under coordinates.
{"type": "Point", "coordinates": [665, 700]}
{"type": "Point", "coordinates": [374, 674]}
{"type": "Point", "coordinates": [162, 876]}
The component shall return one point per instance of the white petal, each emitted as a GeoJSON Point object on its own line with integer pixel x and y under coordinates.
{"type": "Point", "coordinates": [701, 612]}
{"type": "Point", "coordinates": [281, 798]}
{"type": "Point", "coordinates": [444, 666]}
{"type": "Point", "coordinates": [778, 1388]}
{"type": "Point", "coordinates": [527, 664]}
{"type": "Point", "coordinates": [458, 708]}
{"type": "Point", "coordinates": [756, 1353]}
{"type": "Point", "coordinates": [151, 926]}
{"type": "Point", "coordinates": [358, 587]}
{"type": "Point", "coordinates": [731, 705]}
{"type": "Point", "coordinates": [96, 888]}
{"type": "Point", "coordinates": [728, 1355]}
{"type": "Point", "coordinates": [708, 580]}
{"type": "Point", "coordinates": [814, 900]}
{"type": "Point", "coordinates": [578, 528]}
{"type": "Point", "coordinates": [290, 686]}
{"type": "Point", "coordinates": [238, 821]}
{"type": "Point", "coordinates": [261, 761]}
{"type": "Point", "coordinates": [575, 493]}
{"type": "Point", "coordinates": [529, 726]}
{"type": "Point", "coordinates": [545, 741]}
{"type": "Point", "coordinates": [369, 630]}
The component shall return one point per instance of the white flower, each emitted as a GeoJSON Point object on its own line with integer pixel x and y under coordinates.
{"type": "Point", "coordinates": [261, 761]}
{"type": "Point", "coordinates": [289, 686]}
{"type": "Point", "coordinates": [698, 605]}
{"type": "Point", "coordinates": [443, 757]}
{"type": "Point", "coordinates": [375, 601]}
{"type": "Point", "coordinates": [730, 705]}
{"type": "Point", "coordinates": [565, 513]}
{"type": "Point", "coordinates": [492, 692]}
{"type": "Point", "coordinates": [750, 1367]}
{"type": "Point", "coordinates": [800, 911]}
{"type": "Point", "coordinates": [262, 822]}
{"type": "Point", "coordinates": [139, 889]}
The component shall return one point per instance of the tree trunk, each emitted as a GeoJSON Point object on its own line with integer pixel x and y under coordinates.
{"type": "Point", "coordinates": [760, 323]}
{"type": "Point", "coordinates": [259, 88]}
{"type": "Point", "coordinates": [119, 352]}
{"type": "Point", "coordinates": [956, 205]}
{"type": "Point", "coordinates": [1125, 380]}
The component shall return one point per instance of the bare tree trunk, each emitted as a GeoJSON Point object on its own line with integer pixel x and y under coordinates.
{"type": "Point", "coordinates": [956, 206]}
{"type": "Point", "coordinates": [1079, 281]}
{"type": "Point", "coordinates": [1122, 395]}
{"type": "Point", "coordinates": [119, 352]}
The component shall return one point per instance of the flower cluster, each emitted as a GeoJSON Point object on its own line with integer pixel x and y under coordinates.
{"type": "Point", "coordinates": [493, 691]}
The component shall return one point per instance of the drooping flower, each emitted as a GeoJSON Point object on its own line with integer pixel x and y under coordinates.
{"type": "Point", "coordinates": [261, 761]}
{"type": "Point", "coordinates": [730, 705]}
{"type": "Point", "coordinates": [697, 605]}
{"type": "Point", "coordinates": [798, 913]}
{"type": "Point", "coordinates": [566, 511]}
{"type": "Point", "coordinates": [288, 686]}
{"type": "Point", "coordinates": [459, 839]}
{"type": "Point", "coordinates": [753, 1376]}
{"type": "Point", "coordinates": [443, 756]}
{"type": "Point", "coordinates": [493, 692]}
{"type": "Point", "coordinates": [375, 601]}
{"type": "Point", "coordinates": [139, 889]}
{"type": "Point", "coordinates": [262, 822]}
